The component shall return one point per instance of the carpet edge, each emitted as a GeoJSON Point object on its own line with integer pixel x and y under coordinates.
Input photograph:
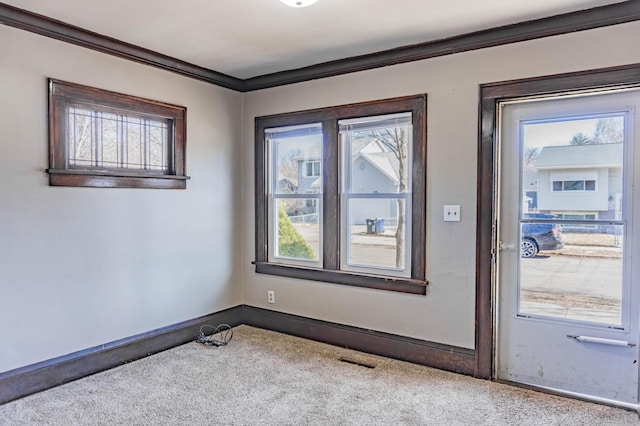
{"type": "Point", "coordinates": [423, 352]}
{"type": "Point", "coordinates": [30, 379]}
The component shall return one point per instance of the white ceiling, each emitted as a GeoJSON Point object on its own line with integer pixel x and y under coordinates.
{"type": "Point", "coordinates": [246, 38]}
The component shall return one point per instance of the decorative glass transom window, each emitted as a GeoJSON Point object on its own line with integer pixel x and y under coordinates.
{"type": "Point", "coordinates": [106, 139]}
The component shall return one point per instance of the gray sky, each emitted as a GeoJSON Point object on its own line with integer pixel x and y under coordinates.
{"type": "Point", "coordinates": [556, 133]}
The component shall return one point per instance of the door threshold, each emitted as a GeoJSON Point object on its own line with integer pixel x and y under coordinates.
{"type": "Point", "coordinates": [575, 395]}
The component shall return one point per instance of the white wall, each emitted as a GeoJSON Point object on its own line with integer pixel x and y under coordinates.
{"type": "Point", "coordinates": [446, 313]}
{"type": "Point", "coordinates": [81, 267]}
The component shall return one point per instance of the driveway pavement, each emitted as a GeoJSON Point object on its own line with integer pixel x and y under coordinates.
{"type": "Point", "coordinates": [572, 287]}
{"type": "Point", "coordinates": [578, 282]}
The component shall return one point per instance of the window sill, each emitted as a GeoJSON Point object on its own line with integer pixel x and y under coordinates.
{"type": "Point", "coordinates": [115, 179]}
{"type": "Point", "coordinates": [402, 285]}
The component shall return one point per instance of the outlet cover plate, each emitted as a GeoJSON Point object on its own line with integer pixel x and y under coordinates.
{"type": "Point", "coordinates": [452, 213]}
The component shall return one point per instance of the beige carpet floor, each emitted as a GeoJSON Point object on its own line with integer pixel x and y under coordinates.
{"type": "Point", "coordinates": [267, 378]}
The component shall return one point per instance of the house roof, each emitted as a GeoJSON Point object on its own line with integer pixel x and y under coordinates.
{"type": "Point", "coordinates": [386, 162]}
{"type": "Point", "coordinates": [370, 151]}
{"type": "Point", "coordinates": [287, 185]}
{"type": "Point", "coordinates": [573, 156]}
{"type": "Point", "coordinates": [312, 152]}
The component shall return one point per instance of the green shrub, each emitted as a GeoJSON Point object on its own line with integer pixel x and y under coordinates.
{"type": "Point", "coordinates": [290, 242]}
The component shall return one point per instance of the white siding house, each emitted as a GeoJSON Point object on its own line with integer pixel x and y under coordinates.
{"type": "Point", "coordinates": [374, 172]}
{"type": "Point", "coordinates": [580, 181]}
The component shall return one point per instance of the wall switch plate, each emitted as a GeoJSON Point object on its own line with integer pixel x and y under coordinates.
{"type": "Point", "coordinates": [452, 213]}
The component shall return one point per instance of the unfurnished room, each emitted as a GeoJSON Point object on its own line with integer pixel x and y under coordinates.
{"type": "Point", "coordinates": [319, 212]}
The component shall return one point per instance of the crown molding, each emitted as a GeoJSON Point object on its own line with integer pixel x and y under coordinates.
{"type": "Point", "coordinates": [618, 13]}
{"type": "Point", "coordinates": [43, 25]}
{"type": "Point", "coordinates": [602, 16]}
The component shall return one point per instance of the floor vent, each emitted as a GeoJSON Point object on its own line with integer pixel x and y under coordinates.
{"type": "Point", "coordinates": [361, 364]}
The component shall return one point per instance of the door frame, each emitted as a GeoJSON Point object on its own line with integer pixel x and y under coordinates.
{"type": "Point", "coordinates": [486, 220]}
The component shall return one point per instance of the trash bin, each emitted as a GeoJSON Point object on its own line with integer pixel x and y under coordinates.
{"type": "Point", "coordinates": [371, 226]}
{"type": "Point", "coordinates": [379, 225]}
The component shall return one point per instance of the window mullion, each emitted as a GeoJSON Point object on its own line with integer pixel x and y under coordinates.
{"type": "Point", "coordinates": [94, 138]}
{"type": "Point", "coordinates": [146, 161]}
{"type": "Point", "coordinates": [120, 138]}
{"type": "Point", "coordinates": [330, 193]}
{"type": "Point", "coordinates": [100, 141]}
{"type": "Point", "coordinates": [72, 156]}
{"type": "Point", "coordinates": [417, 232]}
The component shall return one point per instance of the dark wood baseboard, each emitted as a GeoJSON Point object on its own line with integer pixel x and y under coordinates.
{"type": "Point", "coordinates": [37, 377]}
{"type": "Point", "coordinates": [446, 357]}
{"type": "Point", "coordinates": [44, 375]}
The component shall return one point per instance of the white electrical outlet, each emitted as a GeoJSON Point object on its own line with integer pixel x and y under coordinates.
{"type": "Point", "coordinates": [452, 213]}
{"type": "Point", "coordinates": [271, 296]}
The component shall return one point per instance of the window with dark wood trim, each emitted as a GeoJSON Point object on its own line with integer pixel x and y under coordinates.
{"type": "Point", "coordinates": [99, 138]}
{"type": "Point", "coordinates": [360, 217]}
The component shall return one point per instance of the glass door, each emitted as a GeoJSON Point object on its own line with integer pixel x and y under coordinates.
{"type": "Point", "coordinates": [567, 309]}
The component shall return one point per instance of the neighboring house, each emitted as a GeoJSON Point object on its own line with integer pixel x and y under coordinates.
{"type": "Point", "coordinates": [287, 186]}
{"type": "Point", "coordinates": [309, 171]}
{"type": "Point", "coordinates": [373, 170]}
{"type": "Point", "coordinates": [530, 190]}
{"type": "Point", "coordinates": [580, 181]}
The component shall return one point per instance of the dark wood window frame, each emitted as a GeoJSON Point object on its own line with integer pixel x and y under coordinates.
{"type": "Point", "coordinates": [491, 95]}
{"type": "Point", "coordinates": [331, 272]}
{"type": "Point", "coordinates": [64, 95]}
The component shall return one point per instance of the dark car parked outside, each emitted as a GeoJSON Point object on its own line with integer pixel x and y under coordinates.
{"type": "Point", "coordinates": [540, 236]}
